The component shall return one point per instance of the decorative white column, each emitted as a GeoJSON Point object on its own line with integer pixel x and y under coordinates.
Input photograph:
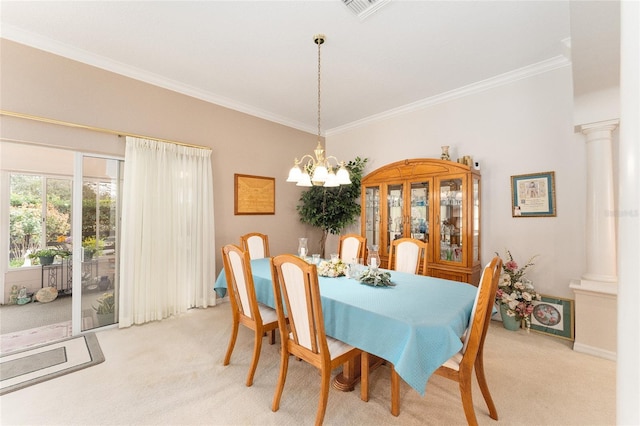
{"type": "Point", "coordinates": [596, 292]}
{"type": "Point", "coordinates": [601, 225]}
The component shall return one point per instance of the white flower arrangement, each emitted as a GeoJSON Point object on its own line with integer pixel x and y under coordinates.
{"type": "Point", "coordinates": [376, 278]}
{"type": "Point", "coordinates": [332, 268]}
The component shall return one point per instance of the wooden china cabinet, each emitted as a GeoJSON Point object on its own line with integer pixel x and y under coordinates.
{"type": "Point", "coordinates": [436, 201]}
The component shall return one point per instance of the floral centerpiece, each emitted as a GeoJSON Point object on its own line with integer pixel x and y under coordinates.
{"type": "Point", "coordinates": [376, 278]}
{"type": "Point", "coordinates": [332, 268]}
{"type": "Point", "coordinates": [515, 292]}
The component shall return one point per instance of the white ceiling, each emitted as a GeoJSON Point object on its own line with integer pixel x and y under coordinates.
{"type": "Point", "coordinates": [259, 56]}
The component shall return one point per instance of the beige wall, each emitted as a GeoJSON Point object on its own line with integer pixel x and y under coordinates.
{"type": "Point", "coordinates": [41, 84]}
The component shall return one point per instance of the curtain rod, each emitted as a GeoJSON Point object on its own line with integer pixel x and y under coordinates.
{"type": "Point", "coordinates": [95, 129]}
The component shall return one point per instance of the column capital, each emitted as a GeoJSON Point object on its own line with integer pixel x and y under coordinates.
{"type": "Point", "coordinates": [598, 126]}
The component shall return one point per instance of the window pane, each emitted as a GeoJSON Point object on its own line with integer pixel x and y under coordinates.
{"type": "Point", "coordinates": [58, 210]}
{"type": "Point", "coordinates": [25, 217]}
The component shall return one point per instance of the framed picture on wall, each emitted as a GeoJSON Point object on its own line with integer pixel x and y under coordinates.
{"type": "Point", "coordinates": [533, 195]}
{"type": "Point", "coordinates": [553, 315]}
{"type": "Point", "coordinates": [254, 195]}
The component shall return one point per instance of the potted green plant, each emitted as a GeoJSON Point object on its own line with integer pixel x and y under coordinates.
{"type": "Point", "coordinates": [105, 309]}
{"type": "Point", "coordinates": [92, 247]}
{"type": "Point", "coordinates": [46, 256]}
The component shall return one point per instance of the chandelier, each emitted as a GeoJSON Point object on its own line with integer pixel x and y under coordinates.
{"type": "Point", "coordinates": [317, 169]}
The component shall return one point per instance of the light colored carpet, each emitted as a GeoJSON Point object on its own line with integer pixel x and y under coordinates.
{"type": "Point", "coordinates": [21, 369]}
{"type": "Point", "coordinates": [171, 373]}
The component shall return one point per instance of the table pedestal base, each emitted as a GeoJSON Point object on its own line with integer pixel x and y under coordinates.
{"type": "Point", "coordinates": [350, 376]}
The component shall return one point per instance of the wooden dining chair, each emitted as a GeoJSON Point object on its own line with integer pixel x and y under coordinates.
{"type": "Point", "coordinates": [244, 306]}
{"type": "Point", "coordinates": [351, 247]}
{"type": "Point", "coordinates": [407, 255]}
{"type": "Point", "coordinates": [460, 366]}
{"type": "Point", "coordinates": [296, 291]}
{"type": "Point", "coordinates": [256, 244]}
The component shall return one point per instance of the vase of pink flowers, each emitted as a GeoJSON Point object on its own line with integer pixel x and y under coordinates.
{"type": "Point", "coordinates": [516, 293]}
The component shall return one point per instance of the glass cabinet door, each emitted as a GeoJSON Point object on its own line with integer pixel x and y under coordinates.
{"type": "Point", "coordinates": [420, 211]}
{"type": "Point", "coordinates": [372, 215]}
{"type": "Point", "coordinates": [395, 214]}
{"type": "Point", "coordinates": [451, 220]}
{"type": "Point", "coordinates": [476, 219]}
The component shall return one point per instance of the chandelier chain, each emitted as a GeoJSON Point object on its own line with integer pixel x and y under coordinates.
{"type": "Point", "coordinates": [319, 43]}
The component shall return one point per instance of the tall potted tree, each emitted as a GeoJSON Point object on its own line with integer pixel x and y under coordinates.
{"type": "Point", "coordinates": [333, 209]}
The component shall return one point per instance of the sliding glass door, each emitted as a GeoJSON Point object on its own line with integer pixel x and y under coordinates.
{"type": "Point", "coordinates": [97, 205]}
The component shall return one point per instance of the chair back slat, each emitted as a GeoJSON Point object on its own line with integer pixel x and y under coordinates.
{"type": "Point", "coordinates": [407, 255]}
{"type": "Point", "coordinates": [351, 247]}
{"type": "Point", "coordinates": [242, 293]}
{"type": "Point", "coordinates": [240, 283]}
{"type": "Point", "coordinates": [256, 244]}
{"type": "Point", "coordinates": [299, 307]}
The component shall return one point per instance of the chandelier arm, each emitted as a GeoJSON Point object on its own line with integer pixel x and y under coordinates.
{"type": "Point", "coordinates": [331, 157]}
{"type": "Point", "coordinates": [310, 160]}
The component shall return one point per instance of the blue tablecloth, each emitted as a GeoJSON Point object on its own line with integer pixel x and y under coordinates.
{"type": "Point", "coordinates": [416, 325]}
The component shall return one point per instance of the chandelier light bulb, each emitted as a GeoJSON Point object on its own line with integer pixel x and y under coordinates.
{"type": "Point", "coordinates": [295, 173]}
{"type": "Point", "coordinates": [342, 176]}
{"type": "Point", "coordinates": [304, 180]}
{"type": "Point", "coordinates": [332, 180]}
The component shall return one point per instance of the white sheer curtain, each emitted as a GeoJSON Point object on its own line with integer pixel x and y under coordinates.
{"type": "Point", "coordinates": [167, 242]}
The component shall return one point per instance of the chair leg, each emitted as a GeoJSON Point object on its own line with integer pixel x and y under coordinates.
{"type": "Point", "coordinates": [324, 395]}
{"type": "Point", "coordinates": [484, 387]}
{"type": "Point", "coordinates": [467, 400]}
{"type": "Point", "coordinates": [282, 377]}
{"type": "Point", "coordinates": [257, 347]}
{"type": "Point", "coordinates": [272, 339]}
{"type": "Point", "coordinates": [232, 342]}
{"type": "Point", "coordinates": [395, 392]}
{"type": "Point", "coordinates": [364, 376]}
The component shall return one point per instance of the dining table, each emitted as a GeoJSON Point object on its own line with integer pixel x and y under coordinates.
{"type": "Point", "coordinates": [416, 324]}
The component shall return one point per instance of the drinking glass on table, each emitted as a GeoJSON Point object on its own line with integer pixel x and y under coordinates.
{"type": "Point", "coordinates": [315, 259]}
{"type": "Point", "coordinates": [355, 268]}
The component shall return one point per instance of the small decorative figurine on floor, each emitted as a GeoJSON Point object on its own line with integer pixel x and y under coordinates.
{"type": "Point", "coordinates": [23, 297]}
{"type": "Point", "coordinates": [13, 296]}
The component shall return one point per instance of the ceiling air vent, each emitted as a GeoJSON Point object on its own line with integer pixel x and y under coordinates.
{"type": "Point", "coordinates": [364, 8]}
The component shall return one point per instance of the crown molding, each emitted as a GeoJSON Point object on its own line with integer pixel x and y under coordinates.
{"type": "Point", "coordinates": [37, 41]}
{"type": "Point", "coordinates": [480, 86]}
